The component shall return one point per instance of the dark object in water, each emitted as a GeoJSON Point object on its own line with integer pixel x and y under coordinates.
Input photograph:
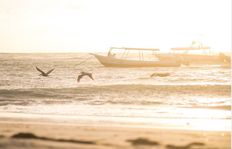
{"type": "Point", "coordinates": [142, 141]}
{"type": "Point", "coordinates": [45, 74]}
{"type": "Point", "coordinates": [84, 74]}
{"type": "Point", "coordinates": [160, 74]}
{"type": "Point", "coordinates": [23, 135]}
{"type": "Point", "coordinates": [188, 146]}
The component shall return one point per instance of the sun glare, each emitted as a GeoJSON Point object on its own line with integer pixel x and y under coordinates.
{"type": "Point", "coordinates": [72, 26]}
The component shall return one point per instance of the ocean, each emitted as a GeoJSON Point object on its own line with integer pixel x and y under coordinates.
{"type": "Point", "coordinates": [191, 97]}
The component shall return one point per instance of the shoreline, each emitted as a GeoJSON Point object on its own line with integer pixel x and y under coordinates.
{"type": "Point", "coordinates": [181, 124]}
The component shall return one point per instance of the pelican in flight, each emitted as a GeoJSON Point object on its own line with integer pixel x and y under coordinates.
{"type": "Point", "coordinates": [82, 74]}
{"type": "Point", "coordinates": [160, 75]}
{"type": "Point", "coordinates": [45, 74]}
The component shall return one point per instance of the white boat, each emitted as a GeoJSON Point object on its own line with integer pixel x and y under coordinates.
{"type": "Point", "coordinates": [111, 60]}
{"type": "Point", "coordinates": [199, 56]}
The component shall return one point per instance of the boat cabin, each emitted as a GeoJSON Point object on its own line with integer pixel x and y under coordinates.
{"type": "Point", "coordinates": [133, 53]}
{"type": "Point", "coordinates": [192, 50]}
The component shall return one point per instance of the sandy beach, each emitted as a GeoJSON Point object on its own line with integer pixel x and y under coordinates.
{"type": "Point", "coordinates": [45, 134]}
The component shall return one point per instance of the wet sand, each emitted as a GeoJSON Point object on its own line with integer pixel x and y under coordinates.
{"type": "Point", "coordinates": [27, 134]}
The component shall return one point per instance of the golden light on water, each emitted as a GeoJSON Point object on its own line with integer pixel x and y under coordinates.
{"type": "Point", "coordinates": [201, 119]}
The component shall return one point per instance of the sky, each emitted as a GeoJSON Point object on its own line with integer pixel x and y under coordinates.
{"type": "Point", "coordinates": [96, 25]}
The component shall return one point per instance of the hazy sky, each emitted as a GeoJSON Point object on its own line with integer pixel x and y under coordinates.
{"type": "Point", "coordinates": [79, 25]}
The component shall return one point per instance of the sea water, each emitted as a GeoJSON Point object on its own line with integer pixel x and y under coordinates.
{"type": "Point", "coordinates": [191, 97]}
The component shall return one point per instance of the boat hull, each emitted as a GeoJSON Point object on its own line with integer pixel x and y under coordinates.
{"type": "Point", "coordinates": [109, 61]}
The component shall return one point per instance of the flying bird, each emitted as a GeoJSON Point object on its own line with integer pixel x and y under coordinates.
{"type": "Point", "coordinates": [84, 74]}
{"type": "Point", "coordinates": [45, 74]}
{"type": "Point", "coordinates": [160, 75]}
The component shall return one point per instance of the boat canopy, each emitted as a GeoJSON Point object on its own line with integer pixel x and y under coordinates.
{"type": "Point", "coordinates": [140, 49]}
{"type": "Point", "coordinates": [190, 48]}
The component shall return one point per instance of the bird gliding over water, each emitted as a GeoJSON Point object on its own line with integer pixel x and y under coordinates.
{"type": "Point", "coordinates": [45, 74]}
{"type": "Point", "coordinates": [84, 74]}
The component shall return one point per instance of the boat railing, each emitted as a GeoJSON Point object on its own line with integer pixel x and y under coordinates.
{"type": "Point", "coordinates": [140, 49]}
{"type": "Point", "coordinates": [126, 51]}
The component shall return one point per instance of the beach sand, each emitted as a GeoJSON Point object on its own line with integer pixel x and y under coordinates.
{"type": "Point", "coordinates": [36, 134]}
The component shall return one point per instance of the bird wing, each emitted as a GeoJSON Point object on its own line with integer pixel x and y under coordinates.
{"type": "Point", "coordinates": [166, 74]}
{"type": "Point", "coordinates": [90, 75]}
{"type": "Point", "coordinates": [79, 78]}
{"type": "Point", "coordinates": [40, 70]}
{"type": "Point", "coordinates": [50, 71]}
{"type": "Point", "coordinates": [152, 75]}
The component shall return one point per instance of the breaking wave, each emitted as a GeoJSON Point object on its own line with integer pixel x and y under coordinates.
{"type": "Point", "coordinates": [183, 95]}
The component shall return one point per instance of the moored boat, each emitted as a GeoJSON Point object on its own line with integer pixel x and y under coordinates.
{"type": "Point", "coordinates": [111, 60]}
{"type": "Point", "coordinates": [194, 56]}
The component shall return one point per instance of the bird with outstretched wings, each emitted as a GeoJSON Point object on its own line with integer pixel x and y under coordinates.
{"type": "Point", "coordinates": [45, 74]}
{"type": "Point", "coordinates": [84, 74]}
